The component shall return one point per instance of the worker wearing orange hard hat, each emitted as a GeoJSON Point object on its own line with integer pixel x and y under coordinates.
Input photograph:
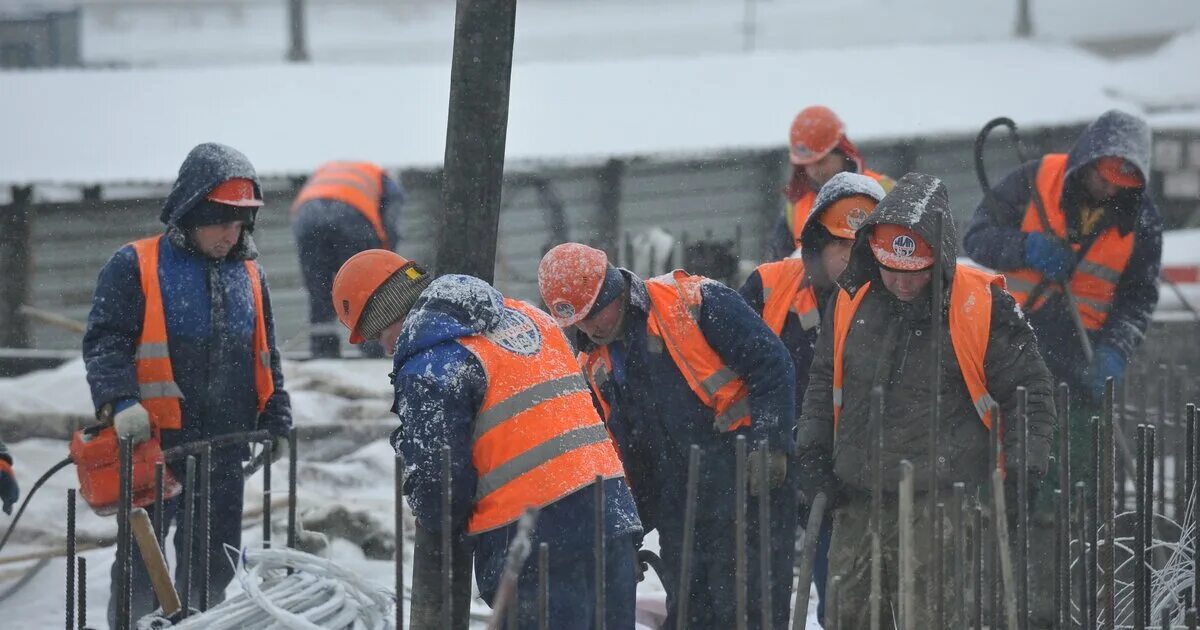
{"type": "Point", "coordinates": [676, 361]}
{"type": "Point", "coordinates": [495, 381]}
{"type": "Point", "coordinates": [879, 333]}
{"type": "Point", "coordinates": [180, 348]}
{"type": "Point", "coordinates": [818, 149]}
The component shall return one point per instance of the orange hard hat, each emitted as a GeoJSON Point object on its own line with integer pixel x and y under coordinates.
{"type": "Point", "coordinates": [899, 248]}
{"type": "Point", "coordinates": [843, 217]}
{"type": "Point", "coordinates": [238, 191]}
{"type": "Point", "coordinates": [1119, 172]}
{"type": "Point", "coordinates": [358, 280]}
{"type": "Point", "coordinates": [570, 277]}
{"type": "Point", "coordinates": [815, 132]}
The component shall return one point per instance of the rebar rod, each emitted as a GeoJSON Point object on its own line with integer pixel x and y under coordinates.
{"type": "Point", "coordinates": [188, 531]}
{"type": "Point", "coordinates": [1139, 533]}
{"type": "Point", "coordinates": [399, 527]}
{"type": "Point", "coordinates": [689, 530]}
{"type": "Point", "coordinates": [876, 451]}
{"type": "Point", "coordinates": [1022, 508]}
{"type": "Point", "coordinates": [205, 522]}
{"type": "Point", "coordinates": [905, 517]}
{"type": "Point", "coordinates": [598, 540]}
{"type": "Point", "coordinates": [764, 534]}
{"type": "Point", "coordinates": [293, 464]}
{"type": "Point", "coordinates": [739, 493]}
{"type": "Point", "coordinates": [268, 455]}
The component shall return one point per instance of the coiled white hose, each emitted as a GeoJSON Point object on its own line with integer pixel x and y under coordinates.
{"type": "Point", "coordinates": [318, 594]}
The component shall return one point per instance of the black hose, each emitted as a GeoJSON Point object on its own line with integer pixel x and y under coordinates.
{"type": "Point", "coordinates": [24, 504]}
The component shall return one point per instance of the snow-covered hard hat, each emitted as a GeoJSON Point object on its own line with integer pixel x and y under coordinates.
{"type": "Point", "coordinates": [374, 289]}
{"type": "Point", "coordinates": [843, 217]}
{"type": "Point", "coordinates": [570, 277]}
{"type": "Point", "coordinates": [815, 132]}
{"type": "Point", "coordinates": [1119, 172]}
{"type": "Point", "coordinates": [898, 248]}
{"type": "Point", "coordinates": [238, 191]}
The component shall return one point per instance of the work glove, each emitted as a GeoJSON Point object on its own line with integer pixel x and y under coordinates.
{"type": "Point", "coordinates": [1107, 362]}
{"type": "Point", "coordinates": [279, 446]}
{"type": "Point", "coordinates": [133, 422]}
{"type": "Point", "coordinates": [9, 491]}
{"type": "Point", "coordinates": [776, 470]}
{"type": "Point", "coordinates": [1049, 257]}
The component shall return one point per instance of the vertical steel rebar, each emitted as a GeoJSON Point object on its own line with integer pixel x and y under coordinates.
{"type": "Point", "coordinates": [1023, 508]}
{"type": "Point", "coordinates": [937, 322]}
{"type": "Point", "coordinates": [1120, 420]}
{"type": "Point", "coordinates": [739, 493]}
{"type": "Point", "coordinates": [268, 455]}
{"type": "Point", "coordinates": [160, 473]}
{"type": "Point", "coordinates": [1190, 618]}
{"type": "Point", "coordinates": [995, 452]}
{"type": "Point", "coordinates": [188, 531]}
{"type": "Point", "coordinates": [1062, 580]}
{"type": "Point", "coordinates": [399, 527]}
{"type": "Point", "coordinates": [876, 519]}
{"type": "Point", "coordinates": [1139, 533]}
{"type": "Point", "coordinates": [959, 522]}
{"type": "Point", "coordinates": [598, 540]}
{"type": "Point", "coordinates": [544, 586]}
{"type": "Point", "coordinates": [764, 534]}
{"type": "Point", "coordinates": [979, 542]}
{"type": "Point", "coordinates": [81, 590]}
{"type": "Point", "coordinates": [70, 603]}
{"type": "Point", "coordinates": [939, 562]}
{"type": "Point", "coordinates": [905, 516]}
{"type": "Point", "coordinates": [1106, 502]}
{"type": "Point", "coordinates": [447, 543]}
{"type": "Point", "coordinates": [124, 535]}
{"type": "Point", "coordinates": [205, 498]}
{"type": "Point", "coordinates": [1148, 526]}
{"type": "Point", "coordinates": [293, 461]}
{"type": "Point", "coordinates": [812, 532]}
{"type": "Point", "coordinates": [1095, 509]}
{"type": "Point", "coordinates": [1062, 404]}
{"type": "Point", "coordinates": [689, 532]}
{"type": "Point", "coordinates": [1166, 620]}
{"type": "Point", "coordinates": [1192, 436]}
{"type": "Point", "coordinates": [1086, 613]}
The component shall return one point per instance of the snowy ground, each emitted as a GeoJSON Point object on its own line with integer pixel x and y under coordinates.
{"type": "Point", "coordinates": [352, 469]}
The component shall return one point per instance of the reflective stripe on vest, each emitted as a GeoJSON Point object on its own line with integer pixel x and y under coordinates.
{"type": "Point", "coordinates": [674, 317]}
{"type": "Point", "coordinates": [798, 213]}
{"type": "Point", "coordinates": [786, 290]}
{"type": "Point", "coordinates": [970, 329]}
{"type": "Point", "coordinates": [536, 436]}
{"type": "Point", "coordinates": [159, 392]}
{"type": "Point", "coordinates": [356, 184]}
{"type": "Point", "coordinates": [1094, 282]}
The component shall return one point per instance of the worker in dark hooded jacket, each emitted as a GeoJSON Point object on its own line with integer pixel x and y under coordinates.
{"type": "Point", "coordinates": [791, 293]}
{"type": "Point", "coordinates": [343, 209]}
{"type": "Point", "coordinates": [495, 380]}
{"type": "Point", "coordinates": [818, 149]}
{"type": "Point", "coordinates": [180, 347]}
{"type": "Point", "coordinates": [674, 361]}
{"type": "Point", "coordinates": [9, 491]}
{"type": "Point", "coordinates": [1105, 242]}
{"type": "Point", "coordinates": [878, 334]}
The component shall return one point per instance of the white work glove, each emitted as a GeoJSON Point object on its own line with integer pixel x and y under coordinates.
{"type": "Point", "coordinates": [134, 423]}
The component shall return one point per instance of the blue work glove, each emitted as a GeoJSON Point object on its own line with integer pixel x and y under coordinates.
{"type": "Point", "coordinates": [1107, 362]}
{"type": "Point", "coordinates": [1047, 256]}
{"type": "Point", "coordinates": [9, 492]}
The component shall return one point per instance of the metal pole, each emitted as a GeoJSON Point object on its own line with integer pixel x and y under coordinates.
{"type": "Point", "coordinates": [977, 547]}
{"type": "Point", "coordinates": [1062, 404]}
{"type": "Point", "coordinates": [268, 454]}
{"type": "Point", "coordinates": [939, 608]}
{"type": "Point", "coordinates": [1105, 502]}
{"type": "Point", "coordinates": [1190, 618]}
{"type": "Point", "coordinates": [1024, 26]}
{"type": "Point", "coordinates": [995, 452]}
{"type": "Point", "coordinates": [764, 534]}
{"type": "Point", "coordinates": [749, 25]}
{"type": "Point", "coordinates": [447, 546]}
{"type": "Point", "coordinates": [598, 541]}
{"type": "Point", "coordinates": [905, 517]}
{"type": "Point", "coordinates": [937, 323]}
{"type": "Point", "coordinates": [1193, 450]}
{"type": "Point", "coordinates": [81, 585]}
{"type": "Point", "coordinates": [70, 558]}
{"type": "Point", "coordinates": [1023, 508]}
{"type": "Point", "coordinates": [188, 532]}
{"type": "Point", "coordinates": [876, 597]}
{"type": "Point", "coordinates": [1148, 526]}
{"type": "Point", "coordinates": [1095, 511]}
{"type": "Point", "coordinates": [205, 522]}
{"type": "Point", "coordinates": [399, 527]}
{"type": "Point", "coordinates": [292, 480]}
{"type": "Point", "coordinates": [1062, 569]}
{"type": "Point", "coordinates": [544, 586]}
{"type": "Point", "coordinates": [298, 50]}
{"type": "Point", "coordinates": [689, 530]}
{"type": "Point", "coordinates": [739, 493]}
{"type": "Point", "coordinates": [959, 523]}
{"type": "Point", "coordinates": [1139, 533]}
{"type": "Point", "coordinates": [160, 470]}
{"type": "Point", "coordinates": [477, 122]}
{"type": "Point", "coordinates": [1085, 600]}
{"type": "Point", "coordinates": [124, 535]}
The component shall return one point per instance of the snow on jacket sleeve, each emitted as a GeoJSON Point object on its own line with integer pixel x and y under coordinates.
{"type": "Point", "coordinates": [113, 327]}
{"type": "Point", "coordinates": [277, 416]}
{"type": "Point", "coordinates": [1012, 361]}
{"type": "Point", "coordinates": [781, 243]}
{"type": "Point", "coordinates": [1137, 291]}
{"type": "Point", "coordinates": [437, 394]}
{"type": "Point", "coordinates": [994, 238]}
{"type": "Point", "coordinates": [743, 341]}
{"type": "Point", "coordinates": [815, 431]}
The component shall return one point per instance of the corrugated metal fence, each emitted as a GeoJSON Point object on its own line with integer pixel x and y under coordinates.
{"type": "Point", "coordinates": [731, 196]}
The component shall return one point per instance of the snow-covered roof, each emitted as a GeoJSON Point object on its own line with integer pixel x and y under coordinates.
{"type": "Point", "coordinates": [93, 126]}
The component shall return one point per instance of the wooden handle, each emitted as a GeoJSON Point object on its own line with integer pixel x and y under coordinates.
{"type": "Point", "coordinates": [156, 565]}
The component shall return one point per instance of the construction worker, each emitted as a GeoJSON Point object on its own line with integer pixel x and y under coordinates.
{"type": "Point", "coordinates": [818, 149]}
{"type": "Point", "coordinates": [1101, 237]}
{"type": "Point", "coordinates": [10, 492]}
{"type": "Point", "coordinates": [878, 334]}
{"type": "Point", "coordinates": [343, 209]}
{"type": "Point", "coordinates": [180, 347]}
{"type": "Point", "coordinates": [495, 380]}
{"type": "Point", "coordinates": [791, 293]}
{"type": "Point", "coordinates": [674, 361]}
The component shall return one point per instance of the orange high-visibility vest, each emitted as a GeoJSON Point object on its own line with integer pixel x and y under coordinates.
{"type": "Point", "coordinates": [1094, 282]}
{"type": "Point", "coordinates": [786, 290]}
{"type": "Point", "coordinates": [159, 393]}
{"type": "Point", "coordinates": [800, 210]}
{"type": "Point", "coordinates": [970, 329]}
{"type": "Point", "coordinates": [357, 184]}
{"type": "Point", "coordinates": [536, 437]}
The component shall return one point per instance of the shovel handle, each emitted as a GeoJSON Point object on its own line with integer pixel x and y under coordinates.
{"type": "Point", "coordinates": [156, 565]}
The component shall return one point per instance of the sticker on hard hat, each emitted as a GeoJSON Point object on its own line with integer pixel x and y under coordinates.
{"type": "Point", "coordinates": [564, 310]}
{"type": "Point", "coordinates": [856, 218]}
{"type": "Point", "coordinates": [516, 333]}
{"type": "Point", "coordinates": [904, 246]}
